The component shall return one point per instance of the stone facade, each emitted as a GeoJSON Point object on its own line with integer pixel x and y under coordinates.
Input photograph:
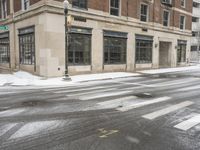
{"type": "Point", "coordinates": [47, 18]}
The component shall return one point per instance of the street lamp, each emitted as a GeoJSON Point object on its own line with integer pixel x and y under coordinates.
{"type": "Point", "coordinates": [66, 7]}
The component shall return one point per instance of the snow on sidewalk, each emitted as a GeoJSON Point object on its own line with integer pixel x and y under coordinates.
{"type": "Point", "coordinates": [26, 79]}
{"type": "Point", "coordinates": [168, 70]}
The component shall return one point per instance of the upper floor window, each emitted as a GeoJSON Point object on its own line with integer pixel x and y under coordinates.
{"type": "Point", "coordinates": [166, 18]}
{"type": "Point", "coordinates": [196, 5]}
{"type": "Point", "coordinates": [166, 1]}
{"type": "Point", "coordinates": [182, 22]}
{"type": "Point", "coordinates": [144, 13]}
{"type": "Point", "coordinates": [4, 9]}
{"type": "Point", "coordinates": [183, 3]}
{"type": "Point", "coordinates": [79, 4]}
{"type": "Point", "coordinates": [195, 19]}
{"type": "Point", "coordinates": [114, 7]}
{"type": "Point", "coordinates": [25, 4]}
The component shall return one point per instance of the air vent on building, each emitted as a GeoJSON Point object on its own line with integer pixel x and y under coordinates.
{"type": "Point", "coordinates": [81, 19]}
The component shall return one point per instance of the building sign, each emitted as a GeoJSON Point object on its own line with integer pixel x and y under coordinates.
{"type": "Point", "coordinates": [3, 28]}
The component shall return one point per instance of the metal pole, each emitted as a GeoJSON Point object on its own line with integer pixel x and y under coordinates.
{"type": "Point", "coordinates": [66, 46]}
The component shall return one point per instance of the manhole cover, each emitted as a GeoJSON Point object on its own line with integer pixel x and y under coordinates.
{"type": "Point", "coordinates": [144, 95]}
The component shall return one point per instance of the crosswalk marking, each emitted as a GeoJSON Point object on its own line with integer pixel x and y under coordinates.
{"type": "Point", "coordinates": [190, 88]}
{"type": "Point", "coordinates": [90, 92]}
{"type": "Point", "coordinates": [119, 100]}
{"type": "Point", "coordinates": [167, 110]}
{"type": "Point", "coordinates": [188, 124]}
{"type": "Point", "coordinates": [141, 104]}
{"type": "Point", "coordinates": [102, 95]}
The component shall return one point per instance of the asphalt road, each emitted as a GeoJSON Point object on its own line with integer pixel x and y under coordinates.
{"type": "Point", "coordinates": [148, 112]}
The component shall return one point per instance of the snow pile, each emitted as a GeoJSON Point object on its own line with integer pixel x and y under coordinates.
{"type": "Point", "coordinates": [25, 79]}
{"type": "Point", "coordinates": [168, 70]}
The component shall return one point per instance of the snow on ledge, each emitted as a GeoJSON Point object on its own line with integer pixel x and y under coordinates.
{"type": "Point", "coordinates": [168, 70]}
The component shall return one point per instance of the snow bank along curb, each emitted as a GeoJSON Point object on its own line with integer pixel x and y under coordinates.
{"type": "Point", "coordinates": [26, 79]}
{"type": "Point", "coordinates": [168, 70]}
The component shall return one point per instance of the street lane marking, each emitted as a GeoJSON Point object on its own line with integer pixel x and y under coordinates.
{"type": "Point", "coordinates": [141, 104]}
{"type": "Point", "coordinates": [77, 90]}
{"type": "Point", "coordinates": [102, 95]}
{"type": "Point", "coordinates": [189, 88]}
{"type": "Point", "coordinates": [91, 92]}
{"type": "Point", "coordinates": [188, 124]}
{"type": "Point", "coordinates": [167, 110]}
{"type": "Point", "coordinates": [105, 133]}
{"type": "Point", "coordinates": [119, 100]}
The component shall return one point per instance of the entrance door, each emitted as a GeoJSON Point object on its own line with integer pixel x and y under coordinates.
{"type": "Point", "coordinates": [164, 57]}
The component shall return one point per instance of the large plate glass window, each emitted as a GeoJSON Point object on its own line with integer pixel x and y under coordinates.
{"type": "Point", "coordinates": [181, 51]}
{"type": "Point", "coordinates": [144, 45]}
{"type": "Point", "coordinates": [80, 46]}
{"type": "Point", "coordinates": [27, 46]}
{"type": "Point", "coordinates": [4, 48]}
{"type": "Point", "coordinates": [115, 47]}
{"type": "Point", "coordinates": [114, 7]}
{"type": "Point", "coordinates": [79, 4]}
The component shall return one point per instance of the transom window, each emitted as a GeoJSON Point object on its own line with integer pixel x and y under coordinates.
{"type": "Point", "coordinates": [79, 4]}
{"type": "Point", "coordinates": [115, 47]}
{"type": "Point", "coordinates": [4, 48]}
{"type": "Point", "coordinates": [144, 45]}
{"type": "Point", "coordinates": [144, 12]}
{"type": "Point", "coordinates": [166, 18]}
{"type": "Point", "coordinates": [114, 7]}
{"type": "Point", "coordinates": [27, 46]}
{"type": "Point", "coordinates": [182, 22]}
{"type": "Point", "coordinates": [80, 46]}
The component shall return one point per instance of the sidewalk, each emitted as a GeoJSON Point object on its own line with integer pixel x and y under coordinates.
{"type": "Point", "coordinates": [26, 79]}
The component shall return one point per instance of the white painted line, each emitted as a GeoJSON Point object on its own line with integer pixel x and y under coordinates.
{"type": "Point", "coordinates": [102, 95]}
{"type": "Point", "coordinates": [188, 124]}
{"type": "Point", "coordinates": [190, 88]}
{"type": "Point", "coordinates": [117, 100]}
{"type": "Point", "coordinates": [167, 110]}
{"type": "Point", "coordinates": [141, 104]}
{"type": "Point", "coordinates": [91, 92]}
{"type": "Point", "coordinates": [77, 90]}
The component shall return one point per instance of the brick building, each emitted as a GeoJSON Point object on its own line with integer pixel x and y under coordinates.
{"type": "Point", "coordinates": [105, 35]}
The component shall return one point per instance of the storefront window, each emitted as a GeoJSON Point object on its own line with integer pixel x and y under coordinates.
{"type": "Point", "coordinates": [4, 48]}
{"type": "Point", "coordinates": [143, 49]}
{"type": "Point", "coordinates": [80, 46]}
{"type": "Point", "coordinates": [27, 46]}
{"type": "Point", "coordinates": [115, 47]}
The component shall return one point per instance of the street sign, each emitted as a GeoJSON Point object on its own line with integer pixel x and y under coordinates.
{"type": "Point", "coordinates": [3, 27]}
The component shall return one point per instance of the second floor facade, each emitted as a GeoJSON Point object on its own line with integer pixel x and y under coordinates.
{"type": "Point", "coordinates": [167, 14]}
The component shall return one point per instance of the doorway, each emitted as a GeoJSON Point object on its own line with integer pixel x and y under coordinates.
{"type": "Point", "coordinates": [164, 54]}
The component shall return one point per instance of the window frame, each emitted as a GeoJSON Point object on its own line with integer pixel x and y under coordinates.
{"type": "Point", "coordinates": [25, 4]}
{"type": "Point", "coordinates": [117, 35]}
{"type": "Point", "coordinates": [33, 46]}
{"type": "Point", "coordinates": [78, 7]}
{"type": "Point", "coordinates": [4, 9]}
{"type": "Point", "coordinates": [147, 15]}
{"type": "Point", "coordinates": [77, 31]}
{"type": "Point", "coordinates": [184, 3]}
{"type": "Point", "coordinates": [168, 21]}
{"type": "Point", "coordinates": [119, 9]}
{"type": "Point", "coordinates": [184, 23]}
{"type": "Point", "coordinates": [150, 41]}
{"type": "Point", "coordinates": [5, 38]}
